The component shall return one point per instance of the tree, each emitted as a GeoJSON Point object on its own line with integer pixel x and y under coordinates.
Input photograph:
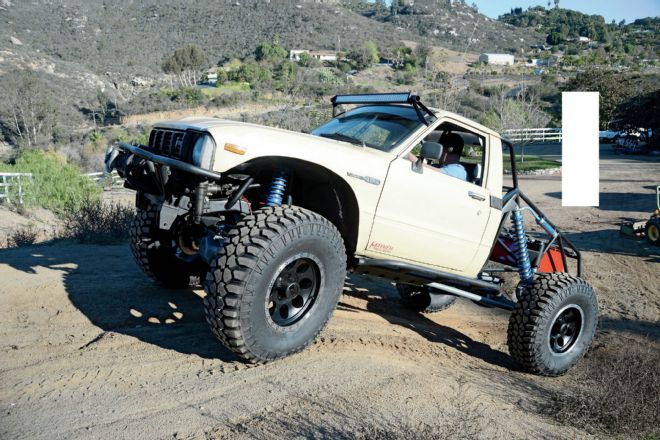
{"type": "Point", "coordinates": [286, 74]}
{"type": "Point", "coordinates": [523, 111]}
{"type": "Point", "coordinates": [423, 56]}
{"type": "Point", "coordinates": [187, 63]}
{"type": "Point", "coordinates": [28, 112]}
{"type": "Point", "coordinates": [640, 111]}
{"type": "Point", "coordinates": [365, 56]}
{"type": "Point", "coordinates": [270, 52]}
{"type": "Point", "coordinates": [557, 4]}
{"type": "Point", "coordinates": [614, 89]}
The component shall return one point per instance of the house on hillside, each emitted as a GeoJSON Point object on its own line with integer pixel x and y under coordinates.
{"type": "Point", "coordinates": [499, 59]}
{"type": "Point", "coordinates": [210, 77]}
{"type": "Point", "coordinates": [321, 55]}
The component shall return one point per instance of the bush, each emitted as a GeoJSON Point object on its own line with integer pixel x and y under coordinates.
{"type": "Point", "coordinates": [55, 183]}
{"type": "Point", "coordinates": [25, 236]}
{"type": "Point", "coordinates": [615, 390]}
{"type": "Point", "coordinates": [97, 222]}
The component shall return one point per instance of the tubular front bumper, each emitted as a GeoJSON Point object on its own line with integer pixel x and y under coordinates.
{"type": "Point", "coordinates": [121, 152]}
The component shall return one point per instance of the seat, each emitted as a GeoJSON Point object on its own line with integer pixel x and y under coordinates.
{"type": "Point", "coordinates": [474, 172]}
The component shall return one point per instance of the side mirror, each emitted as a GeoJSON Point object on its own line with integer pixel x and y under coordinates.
{"type": "Point", "coordinates": [430, 151]}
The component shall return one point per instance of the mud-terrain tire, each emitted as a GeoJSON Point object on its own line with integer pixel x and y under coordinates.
{"type": "Point", "coordinates": [652, 230]}
{"type": "Point", "coordinates": [155, 253]}
{"type": "Point", "coordinates": [553, 324]}
{"type": "Point", "coordinates": [423, 299]}
{"type": "Point", "coordinates": [275, 283]}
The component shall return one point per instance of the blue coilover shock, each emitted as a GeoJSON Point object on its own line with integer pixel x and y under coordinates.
{"type": "Point", "coordinates": [521, 251]}
{"type": "Point", "coordinates": [277, 188]}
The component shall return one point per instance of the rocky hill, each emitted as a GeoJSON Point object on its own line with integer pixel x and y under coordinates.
{"type": "Point", "coordinates": [123, 36]}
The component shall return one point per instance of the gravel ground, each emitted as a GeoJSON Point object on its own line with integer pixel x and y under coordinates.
{"type": "Point", "coordinates": [92, 349]}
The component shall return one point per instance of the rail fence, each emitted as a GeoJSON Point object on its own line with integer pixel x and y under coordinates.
{"type": "Point", "coordinates": [15, 186]}
{"type": "Point", "coordinates": [107, 179]}
{"type": "Point", "coordinates": [11, 181]}
{"type": "Point", "coordinates": [534, 135]}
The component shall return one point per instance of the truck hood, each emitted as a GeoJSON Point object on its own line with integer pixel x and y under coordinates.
{"type": "Point", "coordinates": [260, 140]}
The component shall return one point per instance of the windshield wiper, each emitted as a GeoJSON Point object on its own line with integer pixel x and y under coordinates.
{"type": "Point", "coordinates": [343, 137]}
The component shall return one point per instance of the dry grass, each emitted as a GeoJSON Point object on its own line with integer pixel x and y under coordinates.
{"type": "Point", "coordinates": [616, 390]}
{"type": "Point", "coordinates": [97, 222]}
{"type": "Point", "coordinates": [463, 420]}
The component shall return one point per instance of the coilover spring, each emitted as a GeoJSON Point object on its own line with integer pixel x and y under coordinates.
{"type": "Point", "coordinates": [277, 189]}
{"type": "Point", "coordinates": [521, 251]}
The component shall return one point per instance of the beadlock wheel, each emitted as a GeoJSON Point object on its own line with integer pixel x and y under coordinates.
{"type": "Point", "coordinates": [274, 285]}
{"type": "Point", "coordinates": [293, 289]}
{"type": "Point", "coordinates": [553, 324]}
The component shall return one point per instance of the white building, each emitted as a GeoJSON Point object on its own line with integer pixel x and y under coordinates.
{"type": "Point", "coordinates": [321, 55]}
{"type": "Point", "coordinates": [500, 59]}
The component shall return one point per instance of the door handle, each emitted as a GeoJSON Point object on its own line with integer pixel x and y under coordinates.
{"type": "Point", "coordinates": [476, 196]}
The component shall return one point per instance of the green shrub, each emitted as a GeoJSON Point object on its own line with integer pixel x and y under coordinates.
{"type": "Point", "coordinates": [55, 183]}
{"type": "Point", "coordinates": [97, 222]}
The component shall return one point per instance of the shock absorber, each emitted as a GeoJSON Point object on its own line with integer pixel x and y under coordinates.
{"type": "Point", "coordinates": [277, 190]}
{"type": "Point", "coordinates": [521, 251]}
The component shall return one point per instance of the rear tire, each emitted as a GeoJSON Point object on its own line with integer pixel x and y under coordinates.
{"type": "Point", "coordinates": [553, 324]}
{"type": "Point", "coordinates": [154, 252]}
{"type": "Point", "coordinates": [275, 283]}
{"type": "Point", "coordinates": [424, 299]}
{"type": "Point", "coordinates": [652, 230]}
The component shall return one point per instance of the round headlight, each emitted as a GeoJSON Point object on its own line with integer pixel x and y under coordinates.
{"type": "Point", "coordinates": [203, 150]}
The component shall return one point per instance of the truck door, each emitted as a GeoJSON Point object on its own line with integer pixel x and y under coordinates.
{"type": "Point", "coordinates": [431, 218]}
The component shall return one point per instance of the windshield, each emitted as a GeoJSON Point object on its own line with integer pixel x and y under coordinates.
{"type": "Point", "coordinates": [380, 127]}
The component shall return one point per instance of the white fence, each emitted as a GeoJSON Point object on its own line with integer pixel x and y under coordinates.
{"type": "Point", "coordinates": [534, 135]}
{"type": "Point", "coordinates": [106, 179]}
{"type": "Point", "coordinates": [13, 185]}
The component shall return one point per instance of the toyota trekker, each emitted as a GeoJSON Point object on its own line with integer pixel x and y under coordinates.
{"type": "Point", "coordinates": [271, 220]}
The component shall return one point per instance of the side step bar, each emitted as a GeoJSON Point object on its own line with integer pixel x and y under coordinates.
{"type": "Point", "coordinates": [407, 273]}
{"type": "Point", "coordinates": [501, 302]}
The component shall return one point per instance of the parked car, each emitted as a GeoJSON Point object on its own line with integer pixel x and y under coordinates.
{"type": "Point", "coordinates": [608, 136]}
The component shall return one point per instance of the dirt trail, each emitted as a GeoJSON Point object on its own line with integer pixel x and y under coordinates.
{"type": "Point", "coordinates": [91, 348]}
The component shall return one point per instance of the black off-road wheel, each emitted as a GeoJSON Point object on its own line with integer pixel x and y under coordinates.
{"type": "Point", "coordinates": [652, 230]}
{"type": "Point", "coordinates": [553, 324]}
{"type": "Point", "coordinates": [275, 283]}
{"type": "Point", "coordinates": [156, 252]}
{"type": "Point", "coordinates": [424, 299]}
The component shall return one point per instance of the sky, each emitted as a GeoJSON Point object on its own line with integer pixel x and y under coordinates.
{"type": "Point", "coordinates": [610, 9]}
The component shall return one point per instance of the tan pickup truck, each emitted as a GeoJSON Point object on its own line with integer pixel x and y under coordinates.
{"type": "Point", "coordinates": [270, 220]}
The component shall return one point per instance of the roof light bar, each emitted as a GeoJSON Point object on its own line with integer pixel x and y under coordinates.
{"type": "Point", "coordinates": [383, 98]}
{"type": "Point", "coordinates": [373, 98]}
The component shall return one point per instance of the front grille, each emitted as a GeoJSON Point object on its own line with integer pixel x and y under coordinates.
{"type": "Point", "coordinates": [168, 142]}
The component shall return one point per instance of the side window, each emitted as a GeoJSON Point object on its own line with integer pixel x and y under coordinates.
{"type": "Point", "coordinates": [464, 153]}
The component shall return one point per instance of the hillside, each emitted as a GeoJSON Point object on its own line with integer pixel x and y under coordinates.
{"type": "Point", "coordinates": [456, 26]}
{"type": "Point", "coordinates": [126, 36]}
{"type": "Point", "coordinates": [563, 27]}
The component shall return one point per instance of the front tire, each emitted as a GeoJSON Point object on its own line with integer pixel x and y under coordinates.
{"type": "Point", "coordinates": [553, 324]}
{"type": "Point", "coordinates": [275, 283]}
{"type": "Point", "coordinates": [155, 253]}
